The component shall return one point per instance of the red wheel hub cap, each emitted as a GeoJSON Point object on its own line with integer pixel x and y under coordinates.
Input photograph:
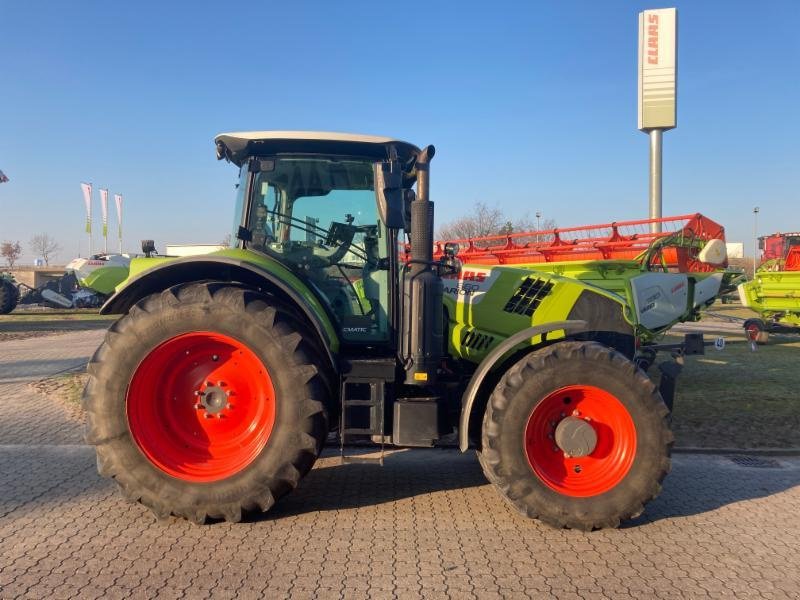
{"type": "Point", "coordinates": [611, 457]}
{"type": "Point", "coordinates": [201, 406]}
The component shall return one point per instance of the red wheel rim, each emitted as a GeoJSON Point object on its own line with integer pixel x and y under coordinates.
{"type": "Point", "coordinates": [752, 331]}
{"type": "Point", "coordinates": [201, 406]}
{"type": "Point", "coordinates": [608, 463]}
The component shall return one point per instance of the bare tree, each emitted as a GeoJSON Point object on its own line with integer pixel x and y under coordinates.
{"type": "Point", "coordinates": [45, 246]}
{"type": "Point", "coordinates": [489, 221]}
{"type": "Point", "coordinates": [11, 251]}
{"type": "Point", "coordinates": [482, 221]}
{"type": "Point", "coordinates": [226, 241]}
{"type": "Point", "coordinates": [526, 223]}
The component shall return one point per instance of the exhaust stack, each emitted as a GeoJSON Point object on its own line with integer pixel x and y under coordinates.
{"type": "Point", "coordinates": [423, 342]}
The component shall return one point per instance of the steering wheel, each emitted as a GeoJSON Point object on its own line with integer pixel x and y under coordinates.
{"type": "Point", "coordinates": [340, 234]}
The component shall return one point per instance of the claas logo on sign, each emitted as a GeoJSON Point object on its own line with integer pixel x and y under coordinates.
{"type": "Point", "coordinates": [652, 39]}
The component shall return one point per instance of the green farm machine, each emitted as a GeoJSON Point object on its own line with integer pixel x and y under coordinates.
{"type": "Point", "coordinates": [774, 291]}
{"type": "Point", "coordinates": [86, 283]}
{"type": "Point", "coordinates": [215, 391]}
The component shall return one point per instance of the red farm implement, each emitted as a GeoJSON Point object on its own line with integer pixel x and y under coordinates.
{"type": "Point", "coordinates": [781, 252]}
{"type": "Point", "coordinates": [677, 247]}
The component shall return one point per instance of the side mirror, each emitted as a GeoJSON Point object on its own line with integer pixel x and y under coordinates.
{"type": "Point", "coordinates": [389, 193]}
{"type": "Point", "coordinates": [451, 249]}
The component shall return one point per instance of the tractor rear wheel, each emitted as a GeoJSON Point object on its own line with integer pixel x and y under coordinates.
{"type": "Point", "coordinates": [207, 400]}
{"type": "Point", "coordinates": [576, 435]}
{"type": "Point", "coordinates": [9, 296]}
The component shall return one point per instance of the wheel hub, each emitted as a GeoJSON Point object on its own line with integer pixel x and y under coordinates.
{"type": "Point", "coordinates": [214, 399]}
{"type": "Point", "coordinates": [576, 437]}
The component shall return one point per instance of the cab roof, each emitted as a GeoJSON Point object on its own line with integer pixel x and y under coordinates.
{"type": "Point", "coordinates": [238, 146]}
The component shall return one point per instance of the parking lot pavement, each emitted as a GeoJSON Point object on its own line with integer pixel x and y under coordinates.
{"type": "Point", "coordinates": [426, 525]}
{"type": "Point", "coordinates": [25, 416]}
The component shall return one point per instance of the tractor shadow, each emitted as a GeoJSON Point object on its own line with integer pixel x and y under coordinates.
{"type": "Point", "coordinates": [332, 486]}
{"type": "Point", "coordinates": [698, 484]}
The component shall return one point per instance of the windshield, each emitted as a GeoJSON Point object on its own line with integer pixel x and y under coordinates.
{"type": "Point", "coordinates": [319, 216]}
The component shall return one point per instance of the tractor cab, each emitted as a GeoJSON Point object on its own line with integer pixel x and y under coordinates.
{"type": "Point", "coordinates": [308, 201]}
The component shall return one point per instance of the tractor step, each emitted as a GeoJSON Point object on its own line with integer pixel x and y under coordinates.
{"type": "Point", "coordinates": [362, 411]}
{"type": "Point", "coordinates": [359, 460]}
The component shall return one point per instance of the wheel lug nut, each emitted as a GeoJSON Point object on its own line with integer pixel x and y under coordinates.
{"type": "Point", "coordinates": [198, 406]}
{"type": "Point", "coordinates": [199, 393]}
{"type": "Point", "coordinates": [207, 415]}
{"type": "Point", "coordinates": [229, 406]}
{"type": "Point", "coordinates": [221, 384]}
{"type": "Point", "coordinates": [576, 413]}
{"type": "Point", "coordinates": [214, 357]}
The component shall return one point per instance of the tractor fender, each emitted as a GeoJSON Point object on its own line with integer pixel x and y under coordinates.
{"type": "Point", "coordinates": [225, 269]}
{"type": "Point", "coordinates": [494, 358]}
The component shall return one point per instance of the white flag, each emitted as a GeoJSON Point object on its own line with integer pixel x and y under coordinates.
{"type": "Point", "coordinates": [87, 198]}
{"type": "Point", "coordinates": [118, 202]}
{"type": "Point", "coordinates": [104, 206]}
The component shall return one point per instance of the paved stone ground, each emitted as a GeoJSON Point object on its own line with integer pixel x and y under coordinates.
{"type": "Point", "coordinates": [427, 525]}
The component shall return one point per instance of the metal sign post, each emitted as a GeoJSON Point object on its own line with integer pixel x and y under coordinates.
{"type": "Point", "coordinates": [655, 178]}
{"type": "Point", "coordinates": [658, 70]}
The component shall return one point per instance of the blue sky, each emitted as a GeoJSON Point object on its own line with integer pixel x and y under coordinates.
{"type": "Point", "coordinates": [531, 105]}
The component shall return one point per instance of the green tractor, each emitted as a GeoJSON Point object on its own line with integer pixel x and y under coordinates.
{"type": "Point", "coordinates": [85, 283]}
{"type": "Point", "coordinates": [213, 394]}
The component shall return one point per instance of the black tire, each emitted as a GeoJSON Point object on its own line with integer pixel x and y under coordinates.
{"type": "Point", "coordinates": [9, 296]}
{"type": "Point", "coordinates": [285, 347]}
{"type": "Point", "coordinates": [540, 375]}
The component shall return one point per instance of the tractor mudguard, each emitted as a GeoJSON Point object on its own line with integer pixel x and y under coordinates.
{"type": "Point", "coordinates": [216, 267]}
{"type": "Point", "coordinates": [494, 358]}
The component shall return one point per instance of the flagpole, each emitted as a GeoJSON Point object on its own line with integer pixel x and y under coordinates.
{"type": "Point", "coordinates": [87, 198]}
{"type": "Point", "coordinates": [104, 207]}
{"type": "Point", "coordinates": [118, 203]}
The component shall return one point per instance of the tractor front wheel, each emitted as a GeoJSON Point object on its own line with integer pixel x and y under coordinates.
{"type": "Point", "coordinates": [207, 400]}
{"type": "Point", "coordinates": [576, 435]}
